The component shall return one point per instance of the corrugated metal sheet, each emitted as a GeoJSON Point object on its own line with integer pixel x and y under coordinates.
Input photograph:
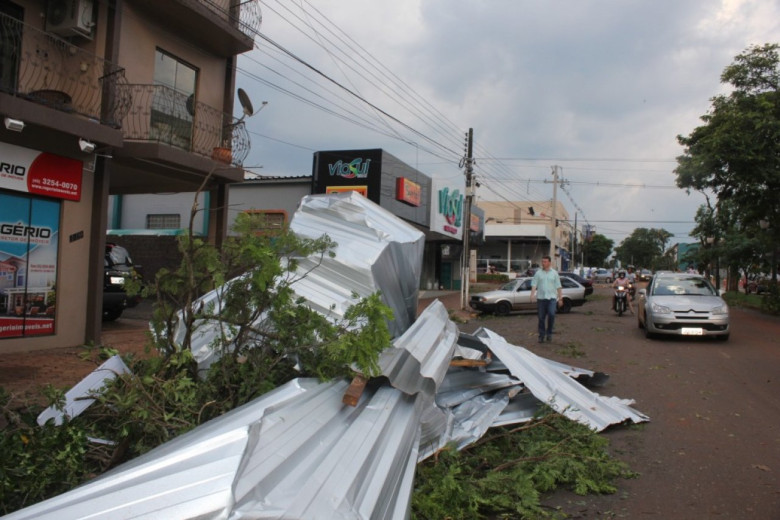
{"type": "Point", "coordinates": [77, 398]}
{"type": "Point", "coordinates": [375, 252]}
{"type": "Point", "coordinates": [555, 388]}
{"type": "Point", "coordinates": [419, 358]}
{"type": "Point", "coordinates": [294, 453]}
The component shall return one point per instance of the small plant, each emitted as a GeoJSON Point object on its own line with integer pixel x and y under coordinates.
{"type": "Point", "coordinates": [504, 474]}
{"type": "Point", "coordinates": [573, 350]}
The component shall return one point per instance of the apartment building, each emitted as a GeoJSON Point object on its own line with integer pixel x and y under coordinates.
{"type": "Point", "coordinates": [101, 98]}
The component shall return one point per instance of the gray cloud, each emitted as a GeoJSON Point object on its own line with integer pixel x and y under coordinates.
{"type": "Point", "coordinates": [553, 79]}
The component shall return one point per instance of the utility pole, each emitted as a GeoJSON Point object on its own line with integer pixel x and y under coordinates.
{"type": "Point", "coordinates": [466, 256]}
{"type": "Point", "coordinates": [574, 247]}
{"type": "Point", "coordinates": [552, 224]}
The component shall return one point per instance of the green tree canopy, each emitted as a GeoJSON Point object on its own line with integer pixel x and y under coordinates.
{"type": "Point", "coordinates": [644, 247]}
{"type": "Point", "coordinates": [597, 249]}
{"type": "Point", "coordinates": [736, 153]}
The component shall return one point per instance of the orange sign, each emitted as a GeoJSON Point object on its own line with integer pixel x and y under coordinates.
{"type": "Point", "coordinates": [474, 224]}
{"type": "Point", "coordinates": [363, 190]}
{"type": "Point", "coordinates": [408, 192]}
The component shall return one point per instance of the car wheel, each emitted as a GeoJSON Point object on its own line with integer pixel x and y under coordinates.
{"type": "Point", "coordinates": [111, 314]}
{"type": "Point", "coordinates": [503, 308]}
{"type": "Point", "coordinates": [609, 280]}
{"type": "Point", "coordinates": [648, 334]}
{"type": "Point", "coordinates": [566, 306]}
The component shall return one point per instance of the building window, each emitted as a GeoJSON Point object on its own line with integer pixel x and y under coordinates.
{"type": "Point", "coordinates": [268, 220]}
{"type": "Point", "coordinates": [163, 221]}
{"type": "Point", "coordinates": [173, 106]}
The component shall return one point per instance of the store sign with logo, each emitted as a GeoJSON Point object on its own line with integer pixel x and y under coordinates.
{"type": "Point", "coordinates": [348, 170]}
{"type": "Point", "coordinates": [39, 173]}
{"type": "Point", "coordinates": [408, 192]}
{"type": "Point", "coordinates": [447, 207]}
{"type": "Point", "coordinates": [354, 169]}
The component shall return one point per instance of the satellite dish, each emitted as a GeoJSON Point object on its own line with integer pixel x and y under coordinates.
{"type": "Point", "coordinates": [246, 103]}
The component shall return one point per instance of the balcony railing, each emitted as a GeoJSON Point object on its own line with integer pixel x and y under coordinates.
{"type": "Point", "coordinates": [43, 68]}
{"type": "Point", "coordinates": [161, 114]}
{"type": "Point", "coordinates": [245, 14]}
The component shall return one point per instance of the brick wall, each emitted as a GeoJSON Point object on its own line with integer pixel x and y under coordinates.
{"type": "Point", "coordinates": [150, 252]}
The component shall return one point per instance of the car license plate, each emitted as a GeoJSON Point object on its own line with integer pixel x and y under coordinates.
{"type": "Point", "coordinates": [692, 331]}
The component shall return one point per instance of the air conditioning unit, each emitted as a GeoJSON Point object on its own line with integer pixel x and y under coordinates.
{"type": "Point", "coordinates": [70, 18]}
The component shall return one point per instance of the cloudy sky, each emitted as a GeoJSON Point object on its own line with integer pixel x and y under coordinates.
{"type": "Point", "coordinates": [600, 88]}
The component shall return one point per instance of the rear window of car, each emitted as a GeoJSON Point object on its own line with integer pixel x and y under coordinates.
{"type": "Point", "coordinates": [118, 255]}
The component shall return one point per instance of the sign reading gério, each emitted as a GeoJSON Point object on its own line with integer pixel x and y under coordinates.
{"type": "Point", "coordinates": [40, 173]}
{"type": "Point", "coordinates": [447, 214]}
{"type": "Point", "coordinates": [408, 192]}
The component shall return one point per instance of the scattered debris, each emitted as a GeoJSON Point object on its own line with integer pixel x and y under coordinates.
{"type": "Point", "coordinates": [334, 450]}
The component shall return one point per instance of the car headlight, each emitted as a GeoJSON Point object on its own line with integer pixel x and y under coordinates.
{"type": "Point", "coordinates": [117, 280]}
{"type": "Point", "coordinates": [723, 309]}
{"type": "Point", "coordinates": [660, 309]}
{"type": "Point", "coordinates": [478, 299]}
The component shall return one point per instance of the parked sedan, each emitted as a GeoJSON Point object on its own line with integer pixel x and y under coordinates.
{"type": "Point", "coordinates": [602, 275]}
{"type": "Point", "coordinates": [516, 296]}
{"type": "Point", "coordinates": [682, 304]}
{"type": "Point", "coordinates": [585, 282]}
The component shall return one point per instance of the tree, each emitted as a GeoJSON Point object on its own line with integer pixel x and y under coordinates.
{"type": "Point", "coordinates": [644, 247]}
{"type": "Point", "coordinates": [597, 249]}
{"type": "Point", "coordinates": [736, 153]}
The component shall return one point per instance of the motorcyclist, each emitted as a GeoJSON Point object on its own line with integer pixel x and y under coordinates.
{"type": "Point", "coordinates": [623, 280]}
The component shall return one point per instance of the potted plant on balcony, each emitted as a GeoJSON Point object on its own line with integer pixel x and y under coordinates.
{"type": "Point", "coordinates": [222, 154]}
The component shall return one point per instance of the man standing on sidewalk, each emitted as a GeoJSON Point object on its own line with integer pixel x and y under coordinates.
{"type": "Point", "coordinates": [546, 284]}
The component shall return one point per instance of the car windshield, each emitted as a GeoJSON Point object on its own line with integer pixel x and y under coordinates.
{"type": "Point", "coordinates": [693, 286]}
{"type": "Point", "coordinates": [511, 286]}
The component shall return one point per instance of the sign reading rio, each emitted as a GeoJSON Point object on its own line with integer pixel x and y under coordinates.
{"type": "Point", "coordinates": [355, 169]}
{"type": "Point", "coordinates": [451, 207]}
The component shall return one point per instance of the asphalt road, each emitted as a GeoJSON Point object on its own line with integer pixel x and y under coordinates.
{"type": "Point", "coordinates": [712, 447]}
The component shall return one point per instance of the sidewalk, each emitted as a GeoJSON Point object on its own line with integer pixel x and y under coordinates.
{"type": "Point", "coordinates": [23, 373]}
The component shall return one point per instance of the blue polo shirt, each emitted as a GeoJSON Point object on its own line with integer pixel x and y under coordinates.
{"type": "Point", "coordinates": [547, 284]}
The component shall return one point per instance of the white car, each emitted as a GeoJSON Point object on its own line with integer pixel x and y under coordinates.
{"type": "Point", "coordinates": [682, 304]}
{"type": "Point", "coordinates": [516, 296]}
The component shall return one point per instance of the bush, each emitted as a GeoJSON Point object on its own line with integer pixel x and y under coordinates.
{"type": "Point", "coordinates": [492, 278]}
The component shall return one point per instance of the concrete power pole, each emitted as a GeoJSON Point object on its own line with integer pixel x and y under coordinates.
{"type": "Point", "coordinates": [553, 234]}
{"type": "Point", "coordinates": [466, 275]}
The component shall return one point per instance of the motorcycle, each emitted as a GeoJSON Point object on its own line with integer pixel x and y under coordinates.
{"type": "Point", "coordinates": [631, 290]}
{"type": "Point", "coordinates": [620, 300]}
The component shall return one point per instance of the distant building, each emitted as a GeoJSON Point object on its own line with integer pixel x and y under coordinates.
{"type": "Point", "coordinates": [519, 233]}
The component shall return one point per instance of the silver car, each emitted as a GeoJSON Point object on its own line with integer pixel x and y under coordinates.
{"type": "Point", "coordinates": [602, 276]}
{"type": "Point", "coordinates": [684, 305]}
{"type": "Point", "coordinates": [516, 296]}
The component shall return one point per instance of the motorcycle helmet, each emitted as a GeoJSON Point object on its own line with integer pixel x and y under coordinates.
{"type": "Point", "coordinates": [621, 274]}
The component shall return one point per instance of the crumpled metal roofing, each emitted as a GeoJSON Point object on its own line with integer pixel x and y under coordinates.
{"type": "Point", "coordinates": [78, 399]}
{"type": "Point", "coordinates": [298, 452]}
{"type": "Point", "coordinates": [375, 252]}
{"type": "Point", "coordinates": [554, 387]}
